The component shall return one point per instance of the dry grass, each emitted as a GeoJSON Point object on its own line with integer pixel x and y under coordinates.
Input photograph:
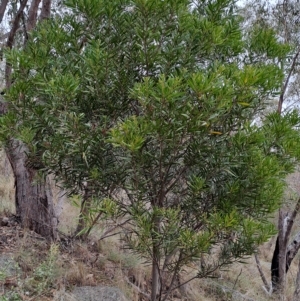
{"type": "Point", "coordinates": [78, 274]}
{"type": "Point", "coordinates": [242, 282]}
{"type": "Point", "coordinates": [107, 263]}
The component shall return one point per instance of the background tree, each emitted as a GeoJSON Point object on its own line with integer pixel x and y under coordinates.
{"type": "Point", "coordinates": [283, 18]}
{"type": "Point", "coordinates": [33, 197]}
{"type": "Point", "coordinates": [148, 105]}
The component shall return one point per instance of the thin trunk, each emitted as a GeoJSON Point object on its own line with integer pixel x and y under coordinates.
{"type": "Point", "coordinates": [34, 204]}
{"type": "Point", "coordinates": [32, 14]}
{"type": "Point", "coordinates": [84, 209]}
{"type": "Point", "coordinates": [284, 254]}
{"type": "Point", "coordinates": [155, 287]}
{"type": "Point", "coordinates": [279, 258]}
{"type": "Point", "coordinates": [284, 87]}
{"type": "Point", "coordinates": [11, 38]}
{"type": "Point", "coordinates": [25, 32]}
{"type": "Point", "coordinates": [282, 242]}
{"type": "Point", "coordinates": [155, 273]}
{"type": "Point", "coordinates": [3, 6]}
{"type": "Point", "coordinates": [46, 9]}
{"type": "Point", "coordinates": [261, 273]}
{"type": "Point", "coordinates": [16, 24]}
{"type": "Point", "coordinates": [296, 296]}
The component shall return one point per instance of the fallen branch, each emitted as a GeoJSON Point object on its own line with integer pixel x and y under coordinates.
{"type": "Point", "coordinates": [137, 288]}
{"type": "Point", "coordinates": [262, 275]}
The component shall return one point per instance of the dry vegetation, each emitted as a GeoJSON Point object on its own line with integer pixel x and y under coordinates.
{"type": "Point", "coordinates": [46, 271]}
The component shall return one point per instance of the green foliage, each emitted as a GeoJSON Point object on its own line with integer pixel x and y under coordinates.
{"type": "Point", "coordinates": [264, 42]}
{"type": "Point", "coordinates": [150, 104]}
{"type": "Point", "coordinates": [11, 296]}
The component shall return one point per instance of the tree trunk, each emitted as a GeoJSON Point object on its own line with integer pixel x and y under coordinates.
{"type": "Point", "coordinates": [155, 274]}
{"type": "Point", "coordinates": [46, 10]}
{"type": "Point", "coordinates": [32, 14]}
{"type": "Point", "coordinates": [278, 268]}
{"type": "Point", "coordinates": [284, 254]}
{"type": "Point", "coordinates": [84, 209]}
{"type": "Point", "coordinates": [34, 204]}
{"type": "Point", "coordinates": [296, 296]}
{"type": "Point", "coordinates": [274, 266]}
{"type": "Point", "coordinates": [2, 9]}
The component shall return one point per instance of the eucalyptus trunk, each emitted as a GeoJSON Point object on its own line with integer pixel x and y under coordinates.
{"type": "Point", "coordinates": [33, 196]}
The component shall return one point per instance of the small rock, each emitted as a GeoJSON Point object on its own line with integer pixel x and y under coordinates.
{"type": "Point", "coordinates": [97, 293]}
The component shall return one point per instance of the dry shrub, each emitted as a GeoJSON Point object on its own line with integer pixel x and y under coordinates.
{"type": "Point", "coordinates": [79, 275]}
{"type": "Point", "coordinates": [82, 253]}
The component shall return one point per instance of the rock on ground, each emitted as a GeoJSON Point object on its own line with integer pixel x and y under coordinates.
{"type": "Point", "coordinates": [95, 293]}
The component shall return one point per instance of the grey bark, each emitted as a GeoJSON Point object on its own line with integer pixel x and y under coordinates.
{"type": "Point", "coordinates": [16, 24]}
{"type": "Point", "coordinates": [3, 6]}
{"type": "Point", "coordinates": [46, 9]}
{"type": "Point", "coordinates": [284, 254]}
{"type": "Point", "coordinates": [32, 14]}
{"type": "Point", "coordinates": [296, 296]}
{"type": "Point", "coordinates": [34, 204]}
{"type": "Point", "coordinates": [155, 275]}
{"type": "Point", "coordinates": [293, 249]}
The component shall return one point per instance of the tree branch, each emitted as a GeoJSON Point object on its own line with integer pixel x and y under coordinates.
{"type": "Point", "coordinates": [137, 288]}
{"type": "Point", "coordinates": [261, 273]}
{"type": "Point", "coordinates": [10, 40]}
{"type": "Point", "coordinates": [15, 25]}
{"type": "Point", "coordinates": [284, 88]}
